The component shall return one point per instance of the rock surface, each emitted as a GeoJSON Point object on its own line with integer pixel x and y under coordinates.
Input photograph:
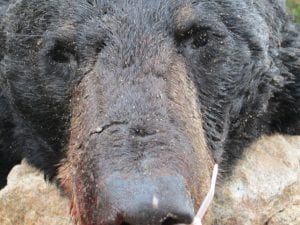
{"type": "Point", "coordinates": [29, 200]}
{"type": "Point", "coordinates": [264, 189]}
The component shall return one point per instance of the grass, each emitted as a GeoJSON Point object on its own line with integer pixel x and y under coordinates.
{"type": "Point", "coordinates": [294, 6]}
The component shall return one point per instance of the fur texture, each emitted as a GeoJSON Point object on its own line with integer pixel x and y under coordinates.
{"type": "Point", "coordinates": [242, 58]}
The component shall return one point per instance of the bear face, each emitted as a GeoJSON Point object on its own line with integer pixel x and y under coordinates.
{"type": "Point", "coordinates": [120, 97]}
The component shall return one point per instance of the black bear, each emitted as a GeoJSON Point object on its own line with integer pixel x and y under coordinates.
{"type": "Point", "coordinates": [128, 104]}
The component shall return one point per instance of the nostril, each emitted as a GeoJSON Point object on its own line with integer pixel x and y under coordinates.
{"type": "Point", "coordinates": [170, 221]}
{"type": "Point", "coordinates": [124, 223]}
{"type": "Point", "coordinates": [177, 218]}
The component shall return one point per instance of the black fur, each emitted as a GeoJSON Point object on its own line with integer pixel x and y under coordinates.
{"type": "Point", "coordinates": [247, 72]}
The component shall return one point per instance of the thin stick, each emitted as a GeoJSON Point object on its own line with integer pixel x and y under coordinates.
{"type": "Point", "coordinates": [208, 198]}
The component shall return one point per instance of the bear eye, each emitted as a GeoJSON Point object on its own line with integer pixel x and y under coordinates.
{"type": "Point", "coordinates": [194, 37]}
{"type": "Point", "coordinates": [99, 45]}
{"type": "Point", "coordinates": [200, 39]}
{"type": "Point", "coordinates": [61, 52]}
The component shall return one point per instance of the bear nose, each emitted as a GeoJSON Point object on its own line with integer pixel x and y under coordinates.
{"type": "Point", "coordinates": [148, 201]}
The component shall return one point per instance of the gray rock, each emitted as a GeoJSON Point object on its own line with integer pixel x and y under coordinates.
{"type": "Point", "coordinates": [29, 200]}
{"type": "Point", "coordinates": [264, 188]}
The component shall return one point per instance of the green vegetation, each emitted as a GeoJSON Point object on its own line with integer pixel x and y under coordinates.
{"type": "Point", "coordinates": [294, 6]}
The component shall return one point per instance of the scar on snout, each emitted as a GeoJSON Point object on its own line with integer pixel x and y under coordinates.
{"type": "Point", "coordinates": [100, 129]}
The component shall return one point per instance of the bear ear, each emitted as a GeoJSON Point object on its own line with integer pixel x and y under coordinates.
{"type": "Point", "coordinates": [286, 102]}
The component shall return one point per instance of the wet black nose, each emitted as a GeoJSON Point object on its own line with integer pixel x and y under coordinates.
{"type": "Point", "coordinates": [148, 201]}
